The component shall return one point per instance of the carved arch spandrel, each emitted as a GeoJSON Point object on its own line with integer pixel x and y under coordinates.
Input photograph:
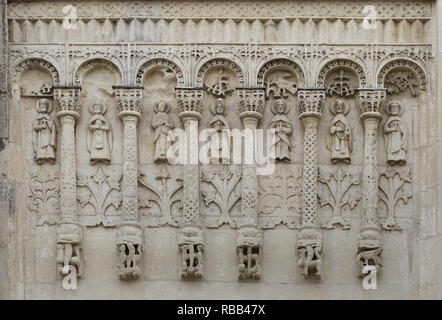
{"type": "Point", "coordinates": [280, 63]}
{"type": "Point", "coordinates": [144, 67]}
{"type": "Point", "coordinates": [402, 64]}
{"type": "Point", "coordinates": [39, 63]}
{"type": "Point", "coordinates": [221, 62]}
{"type": "Point", "coordinates": [342, 63]}
{"type": "Point", "coordinates": [85, 66]}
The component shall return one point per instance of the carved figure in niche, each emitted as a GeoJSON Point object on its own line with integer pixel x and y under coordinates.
{"type": "Point", "coordinates": [394, 135]}
{"type": "Point", "coordinates": [162, 124]}
{"type": "Point", "coordinates": [220, 144]}
{"type": "Point", "coordinates": [340, 140]}
{"type": "Point", "coordinates": [283, 130]}
{"type": "Point", "coordinates": [44, 133]}
{"type": "Point", "coordinates": [221, 88]}
{"type": "Point", "coordinates": [99, 137]}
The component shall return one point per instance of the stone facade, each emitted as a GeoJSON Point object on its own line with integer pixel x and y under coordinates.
{"type": "Point", "coordinates": [93, 96]}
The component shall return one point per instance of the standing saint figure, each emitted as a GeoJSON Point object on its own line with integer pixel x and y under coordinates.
{"type": "Point", "coordinates": [162, 124]}
{"type": "Point", "coordinates": [44, 133]}
{"type": "Point", "coordinates": [220, 139]}
{"type": "Point", "coordinates": [340, 140]}
{"type": "Point", "coordinates": [394, 135]}
{"type": "Point", "coordinates": [99, 137]}
{"type": "Point", "coordinates": [283, 130]}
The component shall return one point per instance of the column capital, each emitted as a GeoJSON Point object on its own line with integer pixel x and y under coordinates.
{"type": "Point", "coordinates": [371, 102]}
{"type": "Point", "coordinates": [190, 102]}
{"type": "Point", "coordinates": [311, 102]}
{"type": "Point", "coordinates": [67, 100]}
{"type": "Point", "coordinates": [128, 100]}
{"type": "Point", "coordinates": [251, 104]}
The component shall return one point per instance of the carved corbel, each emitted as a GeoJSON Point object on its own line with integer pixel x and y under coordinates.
{"type": "Point", "coordinates": [309, 241]}
{"type": "Point", "coordinates": [371, 104]}
{"type": "Point", "coordinates": [190, 238]}
{"type": "Point", "coordinates": [69, 232]}
{"type": "Point", "coordinates": [249, 240]}
{"type": "Point", "coordinates": [129, 238]}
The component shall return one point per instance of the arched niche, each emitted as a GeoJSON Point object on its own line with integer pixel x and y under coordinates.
{"type": "Point", "coordinates": [341, 78]}
{"type": "Point", "coordinates": [96, 78]}
{"type": "Point", "coordinates": [399, 75]}
{"type": "Point", "coordinates": [159, 78]}
{"type": "Point", "coordinates": [34, 77]}
{"type": "Point", "coordinates": [166, 65]}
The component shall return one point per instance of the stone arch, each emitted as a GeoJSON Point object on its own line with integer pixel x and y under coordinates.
{"type": "Point", "coordinates": [29, 63]}
{"type": "Point", "coordinates": [165, 62]}
{"type": "Point", "coordinates": [342, 63]}
{"type": "Point", "coordinates": [279, 62]}
{"type": "Point", "coordinates": [216, 62]}
{"type": "Point", "coordinates": [89, 64]}
{"type": "Point", "coordinates": [402, 63]}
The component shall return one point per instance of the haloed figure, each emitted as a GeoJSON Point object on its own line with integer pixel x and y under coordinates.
{"type": "Point", "coordinates": [283, 131]}
{"type": "Point", "coordinates": [220, 151]}
{"type": "Point", "coordinates": [44, 133]}
{"type": "Point", "coordinates": [162, 124]}
{"type": "Point", "coordinates": [394, 135]}
{"type": "Point", "coordinates": [99, 139]}
{"type": "Point", "coordinates": [339, 141]}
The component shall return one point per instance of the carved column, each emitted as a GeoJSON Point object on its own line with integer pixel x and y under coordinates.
{"type": "Point", "coordinates": [129, 233]}
{"type": "Point", "coordinates": [69, 232]}
{"type": "Point", "coordinates": [309, 242]}
{"type": "Point", "coordinates": [249, 240]}
{"type": "Point", "coordinates": [190, 238]}
{"type": "Point", "coordinates": [371, 104]}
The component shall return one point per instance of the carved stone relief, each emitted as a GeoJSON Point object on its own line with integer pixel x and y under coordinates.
{"type": "Point", "coordinates": [221, 187]}
{"type": "Point", "coordinates": [44, 196]}
{"type": "Point", "coordinates": [162, 124]}
{"type": "Point", "coordinates": [162, 198]}
{"type": "Point", "coordinates": [283, 131]}
{"type": "Point", "coordinates": [99, 191]}
{"type": "Point", "coordinates": [338, 189]}
{"type": "Point", "coordinates": [340, 139]}
{"type": "Point", "coordinates": [280, 197]}
{"type": "Point", "coordinates": [394, 187]}
{"type": "Point", "coordinates": [395, 136]}
{"type": "Point", "coordinates": [99, 138]}
{"type": "Point", "coordinates": [44, 133]}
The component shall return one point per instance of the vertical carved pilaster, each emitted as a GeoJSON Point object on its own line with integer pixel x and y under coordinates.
{"type": "Point", "coordinates": [249, 240]}
{"type": "Point", "coordinates": [69, 232]}
{"type": "Point", "coordinates": [129, 234]}
{"type": "Point", "coordinates": [190, 238]}
{"type": "Point", "coordinates": [371, 104]}
{"type": "Point", "coordinates": [309, 242]}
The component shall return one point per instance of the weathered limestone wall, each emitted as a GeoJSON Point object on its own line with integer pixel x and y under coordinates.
{"type": "Point", "coordinates": [91, 101]}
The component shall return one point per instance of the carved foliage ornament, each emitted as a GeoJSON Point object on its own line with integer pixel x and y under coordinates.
{"type": "Point", "coordinates": [340, 85]}
{"type": "Point", "coordinates": [342, 64]}
{"type": "Point", "coordinates": [44, 196]}
{"type": "Point", "coordinates": [401, 64]}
